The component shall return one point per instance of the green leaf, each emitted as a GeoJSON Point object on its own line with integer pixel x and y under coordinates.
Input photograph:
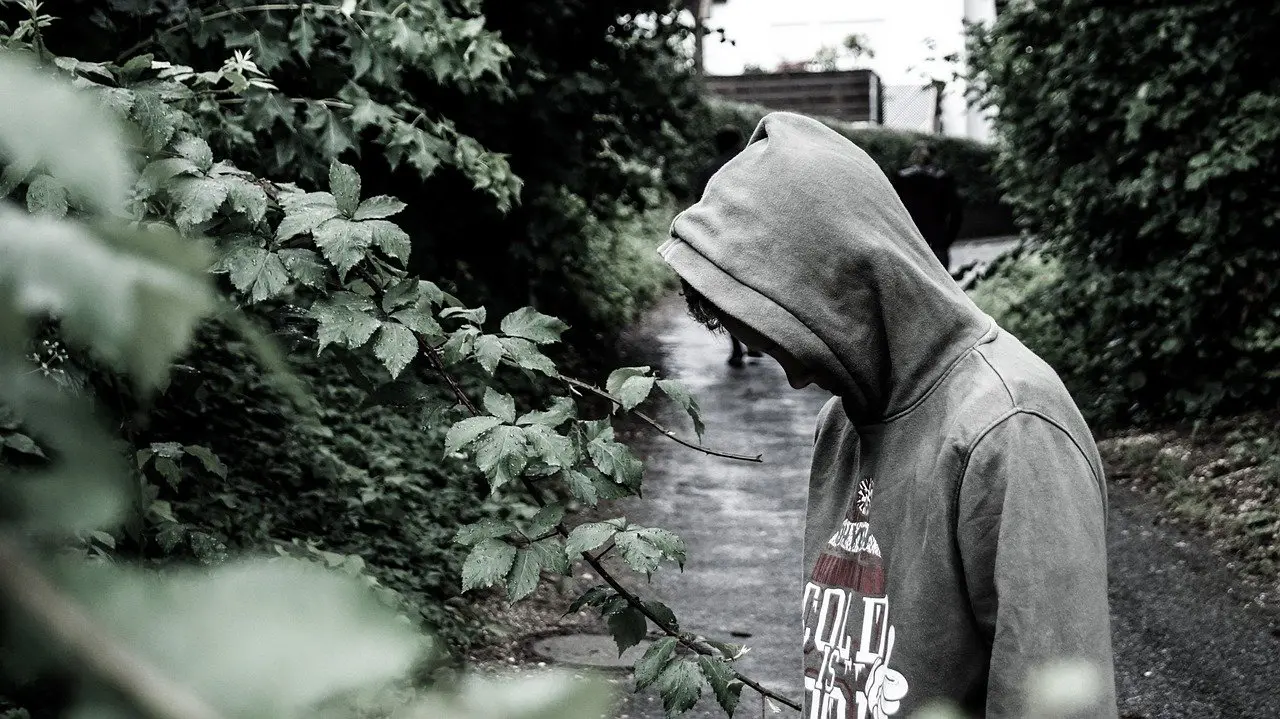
{"type": "Point", "coordinates": [344, 319]}
{"type": "Point", "coordinates": [208, 459]}
{"type": "Point", "coordinates": [544, 521]}
{"type": "Point", "coordinates": [14, 175]}
{"type": "Point", "coordinates": [489, 561]}
{"type": "Point", "coordinates": [634, 391]}
{"type": "Point", "coordinates": [390, 238]}
{"type": "Point", "coordinates": [488, 352]}
{"type": "Point", "coordinates": [254, 271]}
{"type": "Point", "coordinates": [459, 345]}
{"type": "Point", "coordinates": [463, 433]}
{"type": "Point", "coordinates": [628, 628]}
{"type": "Point", "coordinates": [616, 460]}
{"type": "Point", "coordinates": [525, 354]}
{"type": "Point", "coordinates": [532, 325]}
{"type": "Point", "coordinates": [23, 444]}
{"type": "Point", "coordinates": [663, 614]}
{"type": "Point", "coordinates": [170, 535]}
{"type": "Point", "coordinates": [727, 650]}
{"type": "Point", "coordinates": [501, 455]}
{"type": "Point", "coordinates": [396, 347]}
{"type": "Point", "coordinates": [644, 547]}
{"type": "Point", "coordinates": [618, 377]}
{"type": "Point", "coordinates": [43, 121]}
{"type": "Point", "coordinates": [304, 213]}
{"type": "Point", "coordinates": [586, 537]}
{"type": "Point", "coordinates": [379, 206]}
{"type": "Point", "coordinates": [500, 405]}
{"type": "Point", "coordinates": [284, 633]}
{"type": "Point", "coordinates": [247, 198]}
{"type": "Point", "coordinates": [553, 449]}
{"type": "Point", "coordinates": [196, 151]}
{"type": "Point", "coordinates": [680, 685]}
{"type": "Point", "coordinates": [524, 575]}
{"type": "Point", "coordinates": [169, 470]}
{"type": "Point", "coordinates": [198, 199]}
{"type": "Point", "coordinates": [562, 410]}
{"type": "Point", "coordinates": [47, 196]}
{"type": "Point", "coordinates": [593, 597]}
{"type": "Point", "coordinates": [655, 659]}
{"type": "Point", "coordinates": [344, 183]}
{"type": "Point", "coordinates": [156, 175]}
{"type": "Point", "coordinates": [487, 528]}
{"type": "Point", "coordinates": [551, 556]}
{"type": "Point", "coordinates": [475, 316]}
{"type": "Point", "coordinates": [581, 486]}
{"type": "Point", "coordinates": [686, 401]}
{"type": "Point", "coordinates": [304, 266]}
{"type": "Point", "coordinates": [724, 683]}
{"type": "Point", "coordinates": [302, 35]}
{"type": "Point", "coordinates": [419, 322]}
{"type": "Point", "coordinates": [104, 539]}
{"type": "Point", "coordinates": [343, 243]}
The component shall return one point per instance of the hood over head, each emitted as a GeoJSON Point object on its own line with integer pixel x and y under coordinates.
{"type": "Point", "coordinates": [802, 237]}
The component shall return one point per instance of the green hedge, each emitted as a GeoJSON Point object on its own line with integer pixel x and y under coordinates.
{"type": "Point", "coordinates": [366, 481]}
{"type": "Point", "coordinates": [969, 161]}
{"type": "Point", "coordinates": [1138, 146]}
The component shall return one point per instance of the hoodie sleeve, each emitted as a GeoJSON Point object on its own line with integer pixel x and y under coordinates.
{"type": "Point", "coordinates": [1031, 530]}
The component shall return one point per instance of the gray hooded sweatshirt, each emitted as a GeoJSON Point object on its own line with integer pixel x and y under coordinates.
{"type": "Point", "coordinates": [955, 539]}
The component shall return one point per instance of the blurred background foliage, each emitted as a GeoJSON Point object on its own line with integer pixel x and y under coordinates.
{"type": "Point", "coordinates": [1138, 148]}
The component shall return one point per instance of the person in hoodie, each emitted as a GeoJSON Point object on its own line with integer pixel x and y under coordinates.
{"type": "Point", "coordinates": [930, 196]}
{"type": "Point", "coordinates": [955, 540]}
{"type": "Point", "coordinates": [728, 142]}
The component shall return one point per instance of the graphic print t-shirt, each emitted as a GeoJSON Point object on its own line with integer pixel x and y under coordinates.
{"type": "Point", "coordinates": [848, 638]}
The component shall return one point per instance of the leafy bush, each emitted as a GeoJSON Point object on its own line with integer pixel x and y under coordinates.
{"type": "Point", "coordinates": [970, 162]}
{"type": "Point", "coordinates": [345, 473]}
{"type": "Point", "coordinates": [1137, 149]}
{"type": "Point", "coordinates": [113, 254]}
{"type": "Point", "coordinates": [546, 108]}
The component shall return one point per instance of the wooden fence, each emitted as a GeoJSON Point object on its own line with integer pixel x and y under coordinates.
{"type": "Point", "coordinates": [852, 96]}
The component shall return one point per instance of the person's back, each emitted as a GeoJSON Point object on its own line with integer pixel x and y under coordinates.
{"type": "Point", "coordinates": [929, 193]}
{"type": "Point", "coordinates": [955, 533]}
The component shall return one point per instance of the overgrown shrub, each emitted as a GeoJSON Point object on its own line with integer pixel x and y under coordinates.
{"type": "Point", "coordinates": [341, 473]}
{"type": "Point", "coordinates": [556, 106]}
{"type": "Point", "coordinates": [1139, 148]}
{"type": "Point", "coordinates": [969, 161]}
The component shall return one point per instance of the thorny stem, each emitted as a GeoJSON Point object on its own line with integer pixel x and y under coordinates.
{"type": "Point", "coordinates": [24, 587]}
{"type": "Point", "coordinates": [594, 561]}
{"type": "Point", "coordinates": [654, 423]}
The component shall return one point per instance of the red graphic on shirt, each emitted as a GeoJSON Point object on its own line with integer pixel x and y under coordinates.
{"type": "Point", "coordinates": [847, 674]}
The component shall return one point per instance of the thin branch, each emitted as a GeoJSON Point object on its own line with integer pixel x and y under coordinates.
{"type": "Point", "coordinates": [635, 602]}
{"type": "Point", "coordinates": [437, 363]}
{"type": "Point", "coordinates": [593, 561]}
{"type": "Point", "coordinates": [654, 423]}
{"type": "Point", "coordinates": [612, 546]}
{"type": "Point", "coordinates": [25, 588]}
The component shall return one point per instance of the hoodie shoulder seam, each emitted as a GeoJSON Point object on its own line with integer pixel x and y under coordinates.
{"type": "Point", "coordinates": [1007, 390]}
{"type": "Point", "coordinates": [987, 336]}
{"type": "Point", "coordinates": [1005, 417]}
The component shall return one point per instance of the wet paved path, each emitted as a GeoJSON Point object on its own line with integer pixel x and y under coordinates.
{"type": "Point", "coordinates": [1186, 646]}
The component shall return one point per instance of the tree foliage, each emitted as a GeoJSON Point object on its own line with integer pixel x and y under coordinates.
{"type": "Point", "coordinates": [1134, 146]}
{"type": "Point", "coordinates": [127, 272]}
{"type": "Point", "coordinates": [564, 113]}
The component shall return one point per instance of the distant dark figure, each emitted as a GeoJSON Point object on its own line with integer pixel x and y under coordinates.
{"type": "Point", "coordinates": [729, 142]}
{"type": "Point", "coordinates": [930, 195]}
